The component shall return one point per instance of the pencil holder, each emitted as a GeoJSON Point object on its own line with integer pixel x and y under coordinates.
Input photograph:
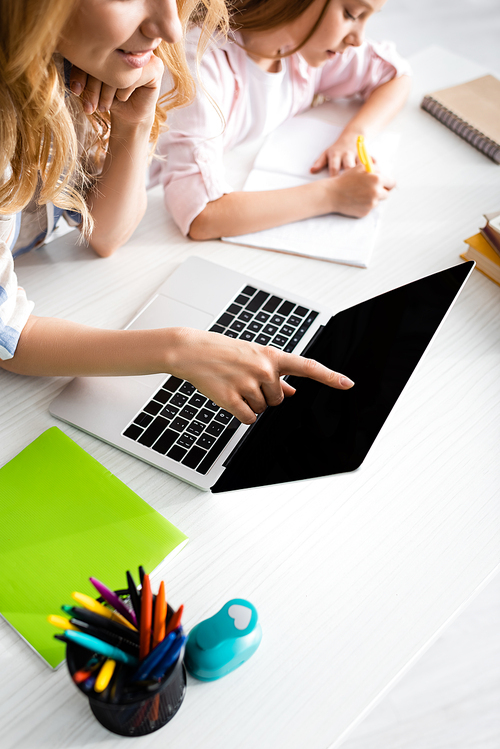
{"type": "Point", "coordinates": [136, 711]}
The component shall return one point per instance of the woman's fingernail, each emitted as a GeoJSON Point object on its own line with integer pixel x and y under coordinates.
{"type": "Point", "coordinates": [76, 87]}
{"type": "Point", "coordinates": [346, 382]}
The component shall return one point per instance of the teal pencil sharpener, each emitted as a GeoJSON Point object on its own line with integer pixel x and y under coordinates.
{"type": "Point", "coordinates": [218, 645]}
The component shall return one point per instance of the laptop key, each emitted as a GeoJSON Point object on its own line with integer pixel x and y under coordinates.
{"type": "Point", "coordinates": [234, 309]}
{"type": "Point", "coordinates": [197, 400]}
{"type": "Point", "coordinates": [262, 317]}
{"type": "Point", "coordinates": [187, 389]}
{"type": "Point", "coordinates": [238, 325]}
{"type": "Point", "coordinates": [151, 434]}
{"type": "Point", "coordinates": [224, 320]}
{"type": "Point", "coordinates": [241, 300]}
{"type": "Point", "coordinates": [263, 339]}
{"type": "Point", "coordinates": [166, 441]}
{"type": "Point", "coordinates": [178, 400]}
{"type": "Point", "coordinates": [287, 330]}
{"type": "Point", "coordinates": [193, 457]}
{"type": "Point", "coordinates": [280, 340]}
{"type": "Point", "coordinates": [255, 327]}
{"type": "Point", "coordinates": [133, 432]}
{"type": "Point", "coordinates": [196, 428]}
{"type": "Point", "coordinates": [205, 415]}
{"type": "Point", "coordinates": [206, 441]}
{"type": "Point", "coordinates": [277, 320]}
{"type": "Point", "coordinates": [295, 321]}
{"type": "Point", "coordinates": [257, 301]}
{"type": "Point", "coordinates": [169, 412]}
{"type": "Point", "coordinates": [217, 329]}
{"type": "Point", "coordinates": [172, 384]}
{"type": "Point", "coordinates": [223, 416]}
{"type": "Point", "coordinates": [245, 316]}
{"type": "Point", "coordinates": [179, 424]}
{"type": "Point", "coordinates": [270, 329]}
{"type": "Point", "coordinates": [300, 311]}
{"type": "Point", "coordinates": [285, 308]}
{"type": "Point", "coordinates": [212, 405]}
{"type": "Point", "coordinates": [162, 396]}
{"type": "Point", "coordinates": [143, 419]}
{"type": "Point", "coordinates": [247, 336]}
{"type": "Point", "coordinates": [231, 334]}
{"type": "Point", "coordinates": [188, 412]}
{"type": "Point", "coordinates": [249, 290]}
{"type": "Point", "coordinates": [272, 304]}
{"type": "Point", "coordinates": [215, 428]}
{"type": "Point", "coordinates": [152, 408]}
{"type": "Point", "coordinates": [177, 453]}
{"type": "Point", "coordinates": [186, 440]}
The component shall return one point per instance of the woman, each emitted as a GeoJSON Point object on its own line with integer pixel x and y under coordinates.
{"type": "Point", "coordinates": [88, 158]}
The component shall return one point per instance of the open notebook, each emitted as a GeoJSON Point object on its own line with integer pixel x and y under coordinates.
{"type": "Point", "coordinates": [284, 161]}
{"type": "Point", "coordinates": [66, 517]}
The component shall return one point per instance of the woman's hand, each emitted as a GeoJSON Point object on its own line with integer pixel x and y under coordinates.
{"type": "Point", "coordinates": [134, 105]}
{"type": "Point", "coordinates": [244, 378]}
{"type": "Point", "coordinates": [341, 155]}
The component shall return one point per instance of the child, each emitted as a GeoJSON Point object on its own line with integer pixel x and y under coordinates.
{"type": "Point", "coordinates": [279, 56]}
{"type": "Point", "coordinates": [55, 155]}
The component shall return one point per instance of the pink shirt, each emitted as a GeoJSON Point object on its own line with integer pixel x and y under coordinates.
{"type": "Point", "coordinates": [192, 172]}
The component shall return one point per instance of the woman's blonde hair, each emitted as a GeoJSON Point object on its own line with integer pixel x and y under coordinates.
{"type": "Point", "coordinates": [38, 142]}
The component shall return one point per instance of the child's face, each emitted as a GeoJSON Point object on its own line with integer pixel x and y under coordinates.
{"type": "Point", "coordinates": [342, 26]}
{"type": "Point", "coordinates": [113, 40]}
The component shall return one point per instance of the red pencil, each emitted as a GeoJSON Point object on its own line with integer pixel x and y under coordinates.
{"type": "Point", "coordinates": [146, 616]}
{"type": "Point", "coordinates": [174, 621]}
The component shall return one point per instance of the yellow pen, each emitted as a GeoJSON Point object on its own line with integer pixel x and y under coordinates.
{"type": "Point", "coordinates": [61, 622]}
{"type": "Point", "coordinates": [105, 674]}
{"type": "Point", "coordinates": [364, 156]}
{"type": "Point", "coordinates": [92, 605]}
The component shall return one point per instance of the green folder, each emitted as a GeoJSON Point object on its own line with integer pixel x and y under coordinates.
{"type": "Point", "coordinates": [63, 518]}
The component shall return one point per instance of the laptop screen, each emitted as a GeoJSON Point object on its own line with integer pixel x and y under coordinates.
{"type": "Point", "coordinates": [321, 431]}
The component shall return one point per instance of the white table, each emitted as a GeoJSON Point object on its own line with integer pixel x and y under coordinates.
{"type": "Point", "coordinates": [353, 575]}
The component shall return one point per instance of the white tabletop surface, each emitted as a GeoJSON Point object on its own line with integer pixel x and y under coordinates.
{"type": "Point", "coordinates": [353, 575]}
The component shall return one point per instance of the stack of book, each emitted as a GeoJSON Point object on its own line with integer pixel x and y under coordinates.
{"type": "Point", "coordinates": [484, 247]}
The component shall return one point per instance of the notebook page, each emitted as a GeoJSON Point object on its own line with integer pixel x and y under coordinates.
{"type": "Point", "coordinates": [281, 164]}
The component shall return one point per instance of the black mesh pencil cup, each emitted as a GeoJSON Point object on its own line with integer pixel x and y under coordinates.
{"type": "Point", "coordinates": [130, 709]}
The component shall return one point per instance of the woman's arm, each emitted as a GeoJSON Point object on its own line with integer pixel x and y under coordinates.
{"type": "Point", "coordinates": [354, 193]}
{"type": "Point", "coordinates": [118, 200]}
{"type": "Point", "coordinates": [379, 108]}
{"type": "Point", "coordinates": [239, 376]}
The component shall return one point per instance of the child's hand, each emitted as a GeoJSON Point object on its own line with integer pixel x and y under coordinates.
{"type": "Point", "coordinates": [134, 105]}
{"type": "Point", "coordinates": [341, 155]}
{"type": "Point", "coordinates": [356, 192]}
{"type": "Point", "coordinates": [244, 378]}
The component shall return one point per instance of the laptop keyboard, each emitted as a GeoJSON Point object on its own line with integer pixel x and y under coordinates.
{"type": "Point", "coordinates": [185, 425]}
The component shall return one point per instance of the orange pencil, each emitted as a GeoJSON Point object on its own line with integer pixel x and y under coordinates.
{"type": "Point", "coordinates": [160, 614]}
{"type": "Point", "coordinates": [146, 615]}
{"type": "Point", "coordinates": [174, 621]}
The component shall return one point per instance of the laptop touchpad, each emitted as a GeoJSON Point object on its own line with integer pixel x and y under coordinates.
{"type": "Point", "coordinates": [164, 312]}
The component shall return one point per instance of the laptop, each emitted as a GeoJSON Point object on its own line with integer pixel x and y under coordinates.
{"type": "Point", "coordinates": [319, 431]}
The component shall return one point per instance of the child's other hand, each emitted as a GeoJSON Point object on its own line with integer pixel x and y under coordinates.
{"type": "Point", "coordinates": [134, 104]}
{"type": "Point", "coordinates": [356, 192]}
{"type": "Point", "coordinates": [242, 377]}
{"type": "Point", "coordinates": [341, 155]}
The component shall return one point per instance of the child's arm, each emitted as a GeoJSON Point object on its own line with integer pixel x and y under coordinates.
{"type": "Point", "coordinates": [354, 193]}
{"type": "Point", "coordinates": [239, 376]}
{"type": "Point", "coordinates": [380, 107]}
{"type": "Point", "coordinates": [118, 201]}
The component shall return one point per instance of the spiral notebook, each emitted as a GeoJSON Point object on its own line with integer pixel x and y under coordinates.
{"type": "Point", "coordinates": [66, 517]}
{"type": "Point", "coordinates": [472, 111]}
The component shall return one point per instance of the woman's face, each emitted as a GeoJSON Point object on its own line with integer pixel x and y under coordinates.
{"type": "Point", "coordinates": [113, 40]}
